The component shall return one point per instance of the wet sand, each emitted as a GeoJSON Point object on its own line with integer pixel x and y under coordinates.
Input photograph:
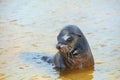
{"type": "Point", "coordinates": [28, 29]}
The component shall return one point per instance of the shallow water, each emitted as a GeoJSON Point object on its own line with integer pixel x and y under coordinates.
{"type": "Point", "coordinates": [28, 29]}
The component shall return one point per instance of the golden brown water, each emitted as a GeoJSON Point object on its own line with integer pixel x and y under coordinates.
{"type": "Point", "coordinates": [28, 29]}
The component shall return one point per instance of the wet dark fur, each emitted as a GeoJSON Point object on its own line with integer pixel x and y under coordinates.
{"type": "Point", "coordinates": [82, 58]}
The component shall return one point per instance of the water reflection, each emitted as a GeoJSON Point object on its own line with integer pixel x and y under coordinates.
{"type": "Point", "coordinates": [76, 74]}
{"type": "Point", "coordinates": [37, 59]}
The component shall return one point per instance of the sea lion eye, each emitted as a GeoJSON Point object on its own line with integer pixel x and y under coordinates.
{"type": "Point", "coordinates": [69, 39]}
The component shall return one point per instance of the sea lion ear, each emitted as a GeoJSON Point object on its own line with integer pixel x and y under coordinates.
{"type": "Point", "coordinates": [79, 35]}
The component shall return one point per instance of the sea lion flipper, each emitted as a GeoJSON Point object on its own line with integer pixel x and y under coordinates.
{"type": "Point", "coordinates": [58, 61]}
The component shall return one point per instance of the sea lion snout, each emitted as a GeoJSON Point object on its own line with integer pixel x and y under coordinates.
{"type": "Point", "coordinates": [63, 48]}
{"type": "Point", "coordinates": [59, 46]}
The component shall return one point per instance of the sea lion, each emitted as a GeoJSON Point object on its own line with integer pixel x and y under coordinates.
{"type": "Point", "coordinates": [73, 49]}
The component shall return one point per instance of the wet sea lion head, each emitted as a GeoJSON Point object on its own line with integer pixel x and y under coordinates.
{"type": "Point", "coordinates": [69, 39]}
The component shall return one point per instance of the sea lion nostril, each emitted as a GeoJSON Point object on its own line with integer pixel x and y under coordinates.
{"type": "Point", "coordinates": [58, 46]}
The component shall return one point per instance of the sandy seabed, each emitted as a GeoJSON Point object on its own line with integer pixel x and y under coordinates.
{"type": "Point", "coordinates": [28, 28]}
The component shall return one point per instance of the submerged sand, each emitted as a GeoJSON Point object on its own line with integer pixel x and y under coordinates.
{"type": "Point", "coordinates": [28, 28]}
